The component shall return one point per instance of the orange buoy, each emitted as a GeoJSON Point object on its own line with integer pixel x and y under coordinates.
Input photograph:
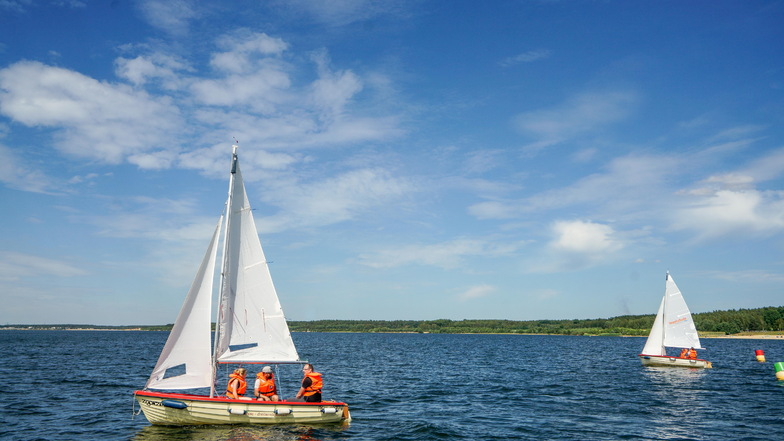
{"type": "Point", "coordinates": [760, 355]}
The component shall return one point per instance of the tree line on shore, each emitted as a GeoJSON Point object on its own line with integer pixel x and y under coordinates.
{"type": "Point", "coordinates": [767, 319]}
{"type": "Point", "coordinates": [728, 322]}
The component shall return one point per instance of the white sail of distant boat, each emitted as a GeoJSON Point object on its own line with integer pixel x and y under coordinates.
{"type": "Point", "coordinates": [673, 327]}
{"type": "Point", "coordinates": [250, 329]}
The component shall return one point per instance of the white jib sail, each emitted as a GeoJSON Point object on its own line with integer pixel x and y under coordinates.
{"type": "Point", "coordinates": [185, 362]}
{"type": "Point", "coordinates": [655, 343]}
{"type": "Point", "coordinates": [252, 327]}
{"type": "Point", "coordinates": [679, 331]}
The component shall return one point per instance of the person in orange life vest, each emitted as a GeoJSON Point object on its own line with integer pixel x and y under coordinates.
{"type": "Point", "coordinates": [265, 389]}
{"type": "Point", "coordinates": [311, 385]}
{"type": "Point", "coordinates": [684, 353]}
{"type": "Point", "coordinates": [692, 354]}
{"type": "Point", "coordinates": [237, 384]}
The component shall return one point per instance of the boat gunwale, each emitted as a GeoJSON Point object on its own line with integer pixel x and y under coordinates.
{"type": "Point", "coordinates": [192, 397]}
{"type": "Point", "coordinates": [670, 356]}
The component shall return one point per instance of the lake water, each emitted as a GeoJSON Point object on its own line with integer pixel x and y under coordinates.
{"type": "Point", "coordinates": [78, 385]}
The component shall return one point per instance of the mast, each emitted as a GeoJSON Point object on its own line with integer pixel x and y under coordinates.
{"type": "Point", "coordinates": [224, 257]}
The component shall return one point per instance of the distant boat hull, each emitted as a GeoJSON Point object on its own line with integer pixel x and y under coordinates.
{"type": "Point", "coordinates": [173, 409]}
{"type": "Point", "coordinates": [658, 360]}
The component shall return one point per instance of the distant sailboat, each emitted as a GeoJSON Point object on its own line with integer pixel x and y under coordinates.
{"type": "Point", "coordinates": [250, 329]}
{"type": "Point", "coordinates": [672, 328]}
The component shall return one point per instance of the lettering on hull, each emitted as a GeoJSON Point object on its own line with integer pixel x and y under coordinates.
{"type": "Point", "coordinates": [151, 403]}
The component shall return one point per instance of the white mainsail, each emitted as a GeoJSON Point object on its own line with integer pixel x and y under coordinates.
{"type": "Point", "coordinates": [251, 326]}
{"type": "Point", "coordinates": [673, 326]}
{"type": "Point", "coordinates": [185, 360]}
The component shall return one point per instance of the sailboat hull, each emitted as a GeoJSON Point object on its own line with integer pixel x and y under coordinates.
{"type": "Point", "coordinates": [658, 360]}
{"type": "Point", "coordinates": [173, 409]}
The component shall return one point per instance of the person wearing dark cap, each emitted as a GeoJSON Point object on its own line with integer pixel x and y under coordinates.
{"type": "Point", "coordinates": [265, 388]}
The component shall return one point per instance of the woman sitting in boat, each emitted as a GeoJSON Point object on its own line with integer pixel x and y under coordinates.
{"type": "Point", "coordinates": [237, 384]}
{"type": "Point", "coordinates": [693, 354]}
{"type": "Point", "coordinates": [265, 389]}
{"type": "Point", "coordinates": [684, 353]}
{"type": "Point", "coordinates": [311, 385]}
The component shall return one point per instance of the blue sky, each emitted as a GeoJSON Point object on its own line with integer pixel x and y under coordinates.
{"type": "Point", "coordinates": [406, 159]}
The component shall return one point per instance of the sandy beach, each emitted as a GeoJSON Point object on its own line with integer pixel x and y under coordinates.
{"type": "Point", "coordinates": [748, 336]}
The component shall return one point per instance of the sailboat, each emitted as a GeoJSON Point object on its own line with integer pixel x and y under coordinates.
{"type": "Point", "coordinates": [672, 328]}
{"type": "Point", "coordinates": [250, 330]}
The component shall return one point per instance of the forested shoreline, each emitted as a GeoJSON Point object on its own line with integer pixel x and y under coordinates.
{"type": "Point", "coordinates": [728, 322]}
{"type": "Point", "coordinates": [724, 322]}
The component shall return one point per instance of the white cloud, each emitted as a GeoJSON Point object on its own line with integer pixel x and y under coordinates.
{"type": "Point", "coordinates": [98, 120]}
{"type": "Point", "coordinates": [171, 16]}
{"type": "Point", "coordinates": [446, 255]}
{"type": "Point", "coordinates": [160, 219]}
{"type": "Point", "coordinates": [260, 91]}
{"type": "Point", "coordinates": [734, 133]}
{"type": "Point", "coordinates": [476, 292]}
{"type": "Point", "coordinates": [730, 204]}
{"type": "Point", "coordinates": [525, 57]}
{"type": "Point", "coordinates": [577, 245]}
{"type": "Point", "coordinates": [712, 214]}
{"type": "Point", "coordinates": [242, 50]}
{"type": "Point", "coordinates": [252, 99]}
{"type": "Point", "coordinates": [545, 294]}
{"type": "Point", "coordinates": [333, 200]}
{"type": "Point", "coordinates": [754, 276]}
{"type": "Point", "coordinates": [14, 266]}
{"type": "Point", "coordinates": [15, 6]}
{"type": "Point", "coordinates": [582, 237]}
{"type": "Point", "coordinates": [281, 114]}
{"type": "Point", "coordinates": [767, 167]}
{"type": "Point", "coordinates": [333, 90]}
{"type": "Point", "coordinates": [343, 12]}
{"type": "Point", "coordinates": [152, 67]}
{"type": "Point", "coordinates": [629, 184]}
{"type": "Point", "coordinates": [493, 210]}
{"type": "Point", "coordinates": [16, 173]}
{"type": "Point", "coordinates": [584, 113]}
{"type": "Point", "coordinates": [483, 160]}
{"type": "Point", "coordinates": [251, 74]}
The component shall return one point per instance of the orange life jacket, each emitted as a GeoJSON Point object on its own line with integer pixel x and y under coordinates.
{"type": "Point", "coordinates": [684, 353]}
{"type": "Point", "coordinates": [692, 354]}
{"type": "Point", "coordinates": [241, 387]}
{"type": "Point", "coordinates": [315, 384]}
{"type": "Point", "coordinates": [266, 387]}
